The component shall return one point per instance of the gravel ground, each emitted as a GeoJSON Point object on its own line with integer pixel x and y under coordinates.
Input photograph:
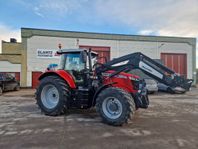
{"type": "Point", "coordinates": [170, 122]}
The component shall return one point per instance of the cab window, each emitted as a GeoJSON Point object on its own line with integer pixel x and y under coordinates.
{"type": "Point", "coordinates": [73, 62]}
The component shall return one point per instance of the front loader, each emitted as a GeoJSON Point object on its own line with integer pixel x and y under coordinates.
{"type": "Point", "coordinates": [82, 82]}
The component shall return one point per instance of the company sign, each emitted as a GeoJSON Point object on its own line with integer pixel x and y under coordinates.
{"type": "Point", "coordinates": [46, 53]}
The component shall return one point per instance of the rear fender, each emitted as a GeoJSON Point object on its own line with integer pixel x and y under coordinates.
{"type": "Point", "coordinates": [62, 74]}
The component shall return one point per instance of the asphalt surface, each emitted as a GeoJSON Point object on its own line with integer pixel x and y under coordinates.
{"type": "Point", "coordinates": [171, 122]}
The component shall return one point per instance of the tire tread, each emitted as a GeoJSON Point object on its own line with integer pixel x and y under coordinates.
{"type": "Point", "coordinates": [128, 101]}
{"type": "Point", "coordinates": [61, 108]}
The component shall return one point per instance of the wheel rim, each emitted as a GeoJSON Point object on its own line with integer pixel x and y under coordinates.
{"type": "Point", "coordinates": [112, 107]}
{"type": "Point", "coordinates": [50, 96]}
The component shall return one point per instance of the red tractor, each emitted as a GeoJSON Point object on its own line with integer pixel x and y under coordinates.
{"type": "Point", "coordinates": [82, 82]}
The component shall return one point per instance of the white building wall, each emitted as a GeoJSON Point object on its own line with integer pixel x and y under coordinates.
{"type": "Point", "coordinates": [6, 66]}
{"type": "Point", "coordinates": [40, 42]}
{"type": "Point", "coordinates": [118, 48]}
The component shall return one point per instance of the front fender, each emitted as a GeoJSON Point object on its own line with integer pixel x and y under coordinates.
{"type": "Point", "coordinates": [99, 90]}
{"type": "Point", "coordinates": [62, 74]}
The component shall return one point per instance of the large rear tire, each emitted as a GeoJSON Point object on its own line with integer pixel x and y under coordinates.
{"type": "Point", "coordinates": [115, 106]}
{"type": "Point", "coordinates": [52, 95]}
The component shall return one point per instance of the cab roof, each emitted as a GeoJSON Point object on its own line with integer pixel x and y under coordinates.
{"type": "Point", "coordinates": [74, 51]}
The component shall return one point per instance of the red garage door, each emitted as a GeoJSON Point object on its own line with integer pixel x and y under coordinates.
{"type": "Point", "coordinates": [35, 76]}
{"type": "Point", "coordinates": [103, 52]}
{"type": "Point", "coordinates": [17, 76]}
{"type": "Point", "coordinates": [176, 62]}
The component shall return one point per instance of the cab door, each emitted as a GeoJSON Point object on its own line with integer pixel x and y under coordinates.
{"type": "Point", "coordinates": [75, 66]}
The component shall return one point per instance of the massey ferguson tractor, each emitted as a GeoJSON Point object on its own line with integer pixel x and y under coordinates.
{"type": "Point", "coordinates": [82, 82]}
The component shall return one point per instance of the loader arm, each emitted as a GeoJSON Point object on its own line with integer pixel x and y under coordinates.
{"type": "Point", "coordinates": [149, 66]}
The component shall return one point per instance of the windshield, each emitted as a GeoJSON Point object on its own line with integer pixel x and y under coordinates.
{"type": "Point", "coordinates": [71, 61]}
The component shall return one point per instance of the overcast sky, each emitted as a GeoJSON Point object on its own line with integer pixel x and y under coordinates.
{"type": "Point", "coordinates": [138, 17]}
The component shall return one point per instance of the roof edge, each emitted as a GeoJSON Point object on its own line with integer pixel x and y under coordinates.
{"type": "Point", "coordinates": [29, 32]}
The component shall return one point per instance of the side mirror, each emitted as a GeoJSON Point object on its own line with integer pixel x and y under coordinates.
{"type": "Point", "coordinates": [83, 56]}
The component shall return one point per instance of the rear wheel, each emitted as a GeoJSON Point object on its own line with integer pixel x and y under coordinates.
{"type": "Point", "coordinates": [52, 95]}
{"type": "Point", "coordinates": [115, 106]}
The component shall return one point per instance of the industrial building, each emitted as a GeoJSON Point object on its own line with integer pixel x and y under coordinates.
{"type": "Point", "coordinates": [31, 57]}
{"type": "Point", "coordinates": [10, 58]}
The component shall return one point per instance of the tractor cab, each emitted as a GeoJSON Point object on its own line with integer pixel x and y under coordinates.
{"type": "Point", "coordinates": [79, 63]}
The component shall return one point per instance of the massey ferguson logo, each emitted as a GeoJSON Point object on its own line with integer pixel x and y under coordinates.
{"type": "Point", "coordinates": [149, 69]}
{"type": "Point", "coordinates": [146, 68]}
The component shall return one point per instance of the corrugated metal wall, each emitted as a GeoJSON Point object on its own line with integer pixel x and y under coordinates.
{"type": "Point", "coordinates": [176, 62]}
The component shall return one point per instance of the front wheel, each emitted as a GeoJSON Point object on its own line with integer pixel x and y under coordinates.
{"type": "Point", "coordinates": [52, 95]}
{"type": "Point", "coordinates": [115, 106]}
